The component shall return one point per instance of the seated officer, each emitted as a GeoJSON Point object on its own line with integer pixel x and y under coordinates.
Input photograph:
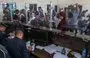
{"type": "Point", "coordinates": [17, 47]}
{"type": "Point", "coordinates": [3, 35]}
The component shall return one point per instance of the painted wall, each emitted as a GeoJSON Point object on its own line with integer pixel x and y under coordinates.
{"type": "Point", "coordinates": [43, 3]}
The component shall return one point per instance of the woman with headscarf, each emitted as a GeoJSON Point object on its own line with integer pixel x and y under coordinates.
{"type": "Point", "coordinates": [63, 22]}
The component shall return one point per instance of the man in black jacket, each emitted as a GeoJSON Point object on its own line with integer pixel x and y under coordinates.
{"type": "Point", "coordinates": [3, 40]}
{"type": "Point", "coordinates": [3, 35]}
{"type": "Point", "coordinates": [17, 47]}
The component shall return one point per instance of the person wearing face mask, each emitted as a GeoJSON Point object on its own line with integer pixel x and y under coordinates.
{"type": "Point", "coordinates": [16, 16]}
{"type": "Point", "coordinates": [41, 15]}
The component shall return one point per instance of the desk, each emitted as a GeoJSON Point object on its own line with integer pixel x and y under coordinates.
{"type": "Point", "coordinates": [41, 54]}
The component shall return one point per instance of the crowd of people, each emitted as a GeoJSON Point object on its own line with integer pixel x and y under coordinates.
{"type": "Point", "coordinates": [71, 17]}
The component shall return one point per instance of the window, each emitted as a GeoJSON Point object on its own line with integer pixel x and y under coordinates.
{"type": "Point", "coordinates": [33, 7]}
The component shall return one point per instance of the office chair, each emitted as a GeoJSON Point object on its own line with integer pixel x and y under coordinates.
{"type": "Point", "coordinates": [3, 52]}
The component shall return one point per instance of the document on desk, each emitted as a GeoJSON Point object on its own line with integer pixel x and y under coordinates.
{"type": "Point", "coordinates": [57, 50]}
{"type": "Point", "coordinates": [52, 48]}
{"type": "Point", "coordinates": [59, 55]}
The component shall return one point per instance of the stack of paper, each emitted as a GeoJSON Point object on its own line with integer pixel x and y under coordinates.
{"type": "Point", "coordinates": [50, 49]}
{"type": "Point", "coordinates": [40, 47]}
{"type": "Point", "coordinates": [57, 50]}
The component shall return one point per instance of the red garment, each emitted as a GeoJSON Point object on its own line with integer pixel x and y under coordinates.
{"type": "Point", "coordinates": [63, 21]}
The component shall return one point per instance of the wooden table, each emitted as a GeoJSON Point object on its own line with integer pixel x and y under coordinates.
{"type": "Point", "coordinates": [41, 54]}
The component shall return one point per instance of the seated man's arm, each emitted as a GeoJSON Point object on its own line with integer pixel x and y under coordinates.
{"type": "Point", "coordinates": [25, 51]}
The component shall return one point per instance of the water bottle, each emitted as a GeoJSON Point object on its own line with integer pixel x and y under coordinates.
{"type": "Point", "coordinates": [33, 45]}
{"type": "Point", "coordinates": [85, 52]}
{"type": "Point", "coordinates": [63, 51]}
